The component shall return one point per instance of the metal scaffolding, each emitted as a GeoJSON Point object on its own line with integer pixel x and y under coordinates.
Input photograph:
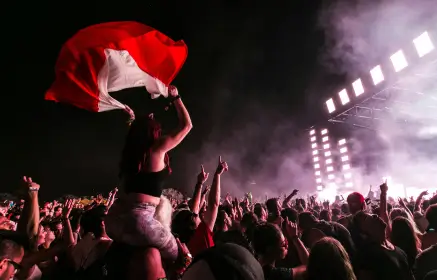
{"type": "Point", "coordinates": [414, 94]}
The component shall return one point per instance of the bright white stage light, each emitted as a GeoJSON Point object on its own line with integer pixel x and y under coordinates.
{"type": "Point", "coordinates": [318, 180]}
{"type": "Point", "coordinates": [324, 131]}
{"type": "Point", "coordinates": [348, 175]}
{"type": "Point", "coordinates": [317, 173]}
{"type": "Point", "coordinates": [344, 158]}
{"type": "Point", "coordinates": [314, 145]}
{"type": "Point", "coordinates": [342, 142]}
{"type": "Point", "coordinates": [320, 188]}
{"type": "Point", "coordinates": [325, 139]}
{"type": "Point", "coordinates": [326, 146]}
{"type": "Point", "coordinates": [344, 98]}
{"type": "Point", "coordinates": [331, 176]}
{"type": "Point", "coordinates": [358, 87]}
{"type": "Point", "coordinates": [316, 166]}
{"type": "Point", "coordinates": [377, 75]}
{"type": "Point", "coordinates": [315, 152]}
{"type": "Point", "coordinates": [329, 168]}
{"type": "Point", "coordinates": [328, 153]}
{"type": "Point", "coordinates": [329, 161]}
{"type": "Point", "coordinates": [332, 185]}
{"type": "Point", "coordinates": [313, 138]}
{"type": "Point", "coordinates": [316, 159]}
{"type": "Point", "coordinates": [312, 132]}
{"type": "Point", "coordinates": [349, 184]}
{"type": "Point", "coordinates": [423, 44]}
{"type": "Point", "coordinates": [398, 60]}
{"type": "Point", "coordinates": [330, 105]}
{"type": "Point", "coordinates": [343, 150]}
{"type": "Point", "coordinates": [346, 167]}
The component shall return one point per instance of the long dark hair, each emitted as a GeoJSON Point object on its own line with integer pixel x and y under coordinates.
{"type": "Point", "coordinates": [142, 135]}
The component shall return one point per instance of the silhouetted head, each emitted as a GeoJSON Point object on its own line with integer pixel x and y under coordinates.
{"type": "Point", "coordinates": [144, 132]}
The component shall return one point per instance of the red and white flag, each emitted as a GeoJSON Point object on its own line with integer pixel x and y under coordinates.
{"type": "Point", "coordinates": [113, 56]}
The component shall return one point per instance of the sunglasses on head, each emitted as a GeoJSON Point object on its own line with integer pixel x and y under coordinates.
{"type": "Point", "coordinates": [16, 266]}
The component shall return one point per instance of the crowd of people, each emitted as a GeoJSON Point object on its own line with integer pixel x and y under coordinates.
{"type": "Point", "coordinates": [139, 233]}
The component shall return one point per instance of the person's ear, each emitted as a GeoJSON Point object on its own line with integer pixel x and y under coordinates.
{"type": "Point", "coordinates": [3, 264]}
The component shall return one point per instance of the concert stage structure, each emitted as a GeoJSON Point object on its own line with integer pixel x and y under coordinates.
{"type": "Point", "coordinates": [401, 89]}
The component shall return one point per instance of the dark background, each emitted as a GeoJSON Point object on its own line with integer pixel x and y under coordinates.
{"type": "Point", "coordinates": [252, 83]}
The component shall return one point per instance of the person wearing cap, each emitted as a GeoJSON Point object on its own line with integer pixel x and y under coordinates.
{"type": "Point", "coordinates": [356, 203]}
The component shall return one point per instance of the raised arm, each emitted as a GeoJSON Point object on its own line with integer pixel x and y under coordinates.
{"type": "Point", "coordinates": [214, 196]}
{"type": "Point", "coordinates": [197, 195]}
{"type": "Point", "coordinates": [29, 220]}
{"type": "Point", "coordinates": [173, 139]}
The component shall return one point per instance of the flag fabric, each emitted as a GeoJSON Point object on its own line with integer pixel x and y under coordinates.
{"type": "Point", "coordinates": [113, 56]}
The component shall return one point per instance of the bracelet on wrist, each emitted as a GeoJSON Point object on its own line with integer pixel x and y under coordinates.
{"type": "Point", "coordinates": [33, 189]}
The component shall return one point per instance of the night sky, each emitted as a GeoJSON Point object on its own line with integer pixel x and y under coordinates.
{"type": "Point", "coordinates": [249, 65]}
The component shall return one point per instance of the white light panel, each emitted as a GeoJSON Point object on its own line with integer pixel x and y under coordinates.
{"type": "Point", "coordinates": [317, 173]}
{"type": "Point", "coordinates": [316, 166]}
{"type": "Point", "coordinates": [318, 180]}
{"type": "Point", "coordinates": [344, 158]}
{"type": "Point", "coordinates": [331, 176]}
{"type": "Point", "coordinates": [312, 132]}
{"type": "Point", "coordinates": [326, 146]}
{"type": "Point", "coordinates": [328, 153]}
{"type": "Point", "coordinates": [398, 60]}
{"type": "Point", "coordinates": [314, 145]}
{"type": "Point", "coordinates": [343, 150]}
{"type": "Point", "coordinates": [316, 159]}
{"type": "Point", "coordinates": [346, 167]}
{"type": "Point", "coordinates": [329, 161]}
{"type": "Point", "coordinates": [358, 87]}
{"type": "Point", "coordinates": [329, 168]}
{"type": "Point", "coordinates": [377, 75]}
{"type": "Point", "coordinates": [320, 188]}
{"type": "Point", "coordinates": [315, 152]}
{"type": "Point", "coordinates": [348, 175]}
{"type": "Point", "coordinates": [342, 142]}
{"type": "Point", "coordinates": [324, 131]}
{"type": "Point", "coordinates": [313, 138]}
{"type": "Point", "coordinates": [330, 105]}
{"type": "Point", "coordinates": [344, 98]}
{"type": "Point", "coordinates": [423, 44]}
{"type": "Point", "coordinates": [349, 184]}
{"type": "Point", "coordinates": [325, 139]}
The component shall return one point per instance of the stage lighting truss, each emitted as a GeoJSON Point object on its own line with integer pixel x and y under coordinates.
{"type": "Point", "coordinates": [368, 108]}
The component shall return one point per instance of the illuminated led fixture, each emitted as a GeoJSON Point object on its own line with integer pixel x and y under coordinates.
{"type": "Point", "coordinates": [348, 175]}
{"type": "Point", "coordinates": [423, 44]}
{"type": "Point", "coordinates": [314, 145]}
{"type": "Point", "coordinates": [377, 75]}
{"type": "Point", "coordinates": [398, 60]}
{"type": "Point", "coordinates": [317, 173]}
{"type": "Point", "coordinates": [331, 176]}
{"type": "Point", "coordinates": [316, 166]}
{"type": "Point", "coordinates": [328, 153]}
{"type": "Point", "coordinates": [320, 188]}
{"type": "Point", "coordinates": [346, 167]}
{"type": "Point", "coordinates": [312, 132]}
{"type": "Point", "coordinates": [324, 131]}
{"type": "Point", "coordinates": [318, 180]}
{"type": "Point", "coordinates": [316, 159]}
{"type": "Point", "coordinates": [349, 184]}
{"type": "Point", "coordinates": [358, 87]}
{"type": "Point", "coordinates": [343, 150]}
{"type": "Point", "coordinates": [342, 142]}
{"type": "Point", "coordinates": [344, 158]}
{"type": "Point", "coordinates": [315, 152]}
{"type": "Point", "coordinates": [332, 185]}
{"type": "Point", "coordinates": [344, 98]}
{"type": "Point", "coordinates": [330, 105]}
{"type": "Point", "coordinates": [325, 139]}
{"type": "Point", "coordinates": [329, 161]}
{"type": "Point", "coordinates": [326, 146]}
{"type": "Point", "coordinates": [329, 168]}
{"type": "Point", "coordinates": [313, 138]}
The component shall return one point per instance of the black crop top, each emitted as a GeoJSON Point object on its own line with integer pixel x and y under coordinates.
{"type": "Point", "coordinates": [150, 183]}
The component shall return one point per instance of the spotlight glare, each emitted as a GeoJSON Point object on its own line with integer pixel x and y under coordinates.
{"type": "Point", "coordinates": [349, 184]}
{"type": "Point", "coordinates": [377, 75]}
{"type": "Point", "coordinates": [330, 105]}
{"type": "Point", "coordinates": [344, 98]}
{"type": "Point", "coordinates": [358, 87]}
{"type": "Point", "coordinates": [423, 44]}
{"type": "Point", "coordinates": [398, 60]}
